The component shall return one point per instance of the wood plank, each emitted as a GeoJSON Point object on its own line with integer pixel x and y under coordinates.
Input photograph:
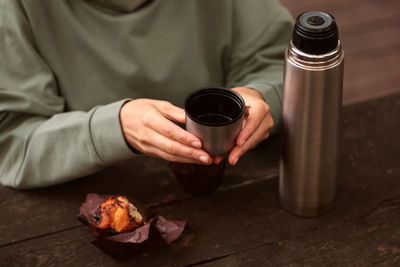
{"type": "Point", "coordinates": [372, 241]}
{"type": "Point", "coordinates": [352, 60]}
{"type": "Point", "coordinates": [370, 88]}
{"type": "Point", "coordinates": [374, 40]}
{"type": "Point", "coordinates": [369, 17]}
{"type": "Point", "coordinates": [249, 217]}
{"type": "Point", "coordinates": [384, 62]}
{"type": "Point", "coordinates": [371, 79]}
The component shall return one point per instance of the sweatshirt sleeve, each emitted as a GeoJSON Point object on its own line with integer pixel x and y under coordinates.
{"type": "Point", "coordinates": [40, 144]}
{"type": "Point", "coordinates": [261, 33]}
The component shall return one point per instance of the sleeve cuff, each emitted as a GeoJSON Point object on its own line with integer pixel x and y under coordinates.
{"type": "Point", "coordinates": [273, 99]}
{"type": "Point", "coordinates": [107, 136]}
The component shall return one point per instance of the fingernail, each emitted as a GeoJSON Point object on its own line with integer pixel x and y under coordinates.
{"type": "Point", "coordinates": [241, 143]}
{"type": "Point", "coordinates": [195, 144]}
{"type": "Point", "coordinates": [235, 161]}
{"type": "Point", "coordinates": [203, 159]}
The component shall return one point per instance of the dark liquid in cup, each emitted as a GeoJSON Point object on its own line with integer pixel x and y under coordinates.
{"type": "Point", "coordinates": [213, 118]}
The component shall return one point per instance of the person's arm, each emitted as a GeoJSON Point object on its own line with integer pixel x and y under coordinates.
{"type": "Point", "coordinates": [40, 144]}
{"type": "Point", "coordinates": [261, 33]}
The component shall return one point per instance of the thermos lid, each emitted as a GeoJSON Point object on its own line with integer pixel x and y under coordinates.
{"type": "Point", "coordinates": [315, 32]}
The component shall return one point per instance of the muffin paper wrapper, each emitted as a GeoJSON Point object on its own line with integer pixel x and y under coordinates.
{"type": "Point", "coordinates": [158, 232]}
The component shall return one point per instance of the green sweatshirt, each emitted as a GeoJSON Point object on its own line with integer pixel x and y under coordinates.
{"type": "Point", "coordinates": [67, 67]}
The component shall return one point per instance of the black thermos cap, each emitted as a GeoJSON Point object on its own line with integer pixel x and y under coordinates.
{"type": "Point", "coordinates": [315, 33]}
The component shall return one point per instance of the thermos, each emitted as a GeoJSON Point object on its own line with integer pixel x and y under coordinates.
{"type": "Point", "coordinates": [312, 101]}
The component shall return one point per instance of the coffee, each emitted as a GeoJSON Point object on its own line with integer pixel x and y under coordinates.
{"type": "Point", "coordinates": [213, 118]}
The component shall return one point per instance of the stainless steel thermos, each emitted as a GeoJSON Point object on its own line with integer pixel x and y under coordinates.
{"type": "Point", "coordinates": [312, 101]}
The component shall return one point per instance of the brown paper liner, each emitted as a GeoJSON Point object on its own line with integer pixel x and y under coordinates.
{"type": "Point", "coordinates": [157, 232]}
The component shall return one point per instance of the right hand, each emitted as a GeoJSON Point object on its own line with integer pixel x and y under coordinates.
{"type": "Point", "coordinates": [148, 126]}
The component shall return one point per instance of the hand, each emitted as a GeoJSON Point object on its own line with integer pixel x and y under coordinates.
{"type": "Point", "coordinates": [147, 126]}
{"type": "Point", "coordinates": [257, 123]}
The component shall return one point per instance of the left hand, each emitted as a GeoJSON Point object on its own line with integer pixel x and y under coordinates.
{"type": "Point", "coordinates": [257, 123]}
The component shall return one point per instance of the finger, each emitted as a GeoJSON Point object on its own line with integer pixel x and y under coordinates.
{"type": "Point", "coordinates": [177, 149]}
{"type": "Point", "coordinates": [170, 130]}
{"type": "Point", "coordinates": [159, 153]}
{"type": "Point", "coordinates": [259, 135]}
{"type": "Point", "coordinates": [172, 112]}
{"type": "Point", "coordinates": [252, 123]}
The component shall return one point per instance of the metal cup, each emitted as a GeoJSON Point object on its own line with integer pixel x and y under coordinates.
{"type": "Point", "coordinates": [215, 115]}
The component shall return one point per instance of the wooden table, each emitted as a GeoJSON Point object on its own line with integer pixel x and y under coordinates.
{"type": "Point", "coordinates": [242, 224]}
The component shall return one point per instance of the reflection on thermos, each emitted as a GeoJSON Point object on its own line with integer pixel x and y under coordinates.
{"type": "Point", "coordinates": [312, 101]}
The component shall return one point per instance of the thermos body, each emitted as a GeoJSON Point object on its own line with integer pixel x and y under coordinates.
{"type": "Point", "coordinates": [312, 102]}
